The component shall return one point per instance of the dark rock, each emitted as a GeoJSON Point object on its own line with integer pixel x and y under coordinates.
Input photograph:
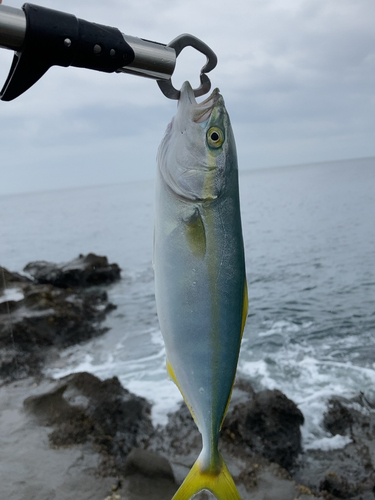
{"type": "Point", "coordinates": [50, 316]}
{"type": "Point", "coordinates": [268, 424]}
{"type": "Point", "coordinates": [346, 472]}
{"type": "Point", "coordinates": [15, 364]}
{"type": "Point", "coordinates": [7, 307]}
{"type": "Point", "coordinates": [8, 282]}
{"type": "Point", "coordinates": [148, 475]}
{"type": "Point", "coordinates": [148, 464]}
{"type": "Point", "coordinates": [8, 277]}
{"type": "Point", "coordinates": [339, 487]}
{"type": "Point", "coordinates": [89, 270]}
{"type": "Point", "coordinates": [50, 408]}
{"type": "Point", "coordinates": [83, 409]}
{"type": "Point", "coordinates": [181, 435]}
{"type": "Point", "coordinates": [337, 419]}
{"type": "Point", "coordinates": [46, 317]}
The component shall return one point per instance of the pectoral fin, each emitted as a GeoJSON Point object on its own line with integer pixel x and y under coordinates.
{"type": "Point", "coordinates": [196, 234]}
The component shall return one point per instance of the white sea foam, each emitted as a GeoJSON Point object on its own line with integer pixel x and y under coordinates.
{"type": "Point", "coordinates": [162, 393]}
{"type": "Point", "coordinates": [8, 294]}
{"type": "Point", "coordinates": [310, 382]}
{"type": "Point", "coordinates": [257, 371]}
{"type": "Point", "coordinates": [145, 376]}
{"type": "Point", "coordinates": [329, 443]}
{"type": "Point", "coordinates": [157, 338]}
{"type": "Point", "coordinates": [280, 327]}
{"type": "Point", "coordinates": [294, 369]}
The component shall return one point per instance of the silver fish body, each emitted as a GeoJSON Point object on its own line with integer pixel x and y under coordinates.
{"type": "Point", "coordinates": [200, 282]}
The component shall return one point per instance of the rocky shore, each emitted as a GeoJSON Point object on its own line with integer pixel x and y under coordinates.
{"type": "Point", "coordinates": [81, 438]}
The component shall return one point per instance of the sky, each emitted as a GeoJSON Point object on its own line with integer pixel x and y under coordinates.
{"type": "Point", "coordinates": [297, 76]}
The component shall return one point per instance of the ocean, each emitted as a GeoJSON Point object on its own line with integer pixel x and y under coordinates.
{"type": "Point", "coordinates": [309, 236]}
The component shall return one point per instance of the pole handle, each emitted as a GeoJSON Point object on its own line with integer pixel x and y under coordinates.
{"type": "Point", "coordinates": [45, 37]}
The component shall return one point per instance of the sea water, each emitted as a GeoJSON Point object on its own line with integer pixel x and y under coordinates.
{"type": "Point", "coordinates": [309, 237]}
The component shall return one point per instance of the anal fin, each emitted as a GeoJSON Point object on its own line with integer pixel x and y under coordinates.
{"type": "Point", "coordinates": [172, 374]}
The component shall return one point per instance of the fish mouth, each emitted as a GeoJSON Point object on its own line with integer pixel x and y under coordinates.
{"type": "Point", "coordinates": [201, 111]}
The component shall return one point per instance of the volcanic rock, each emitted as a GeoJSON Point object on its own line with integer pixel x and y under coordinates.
{"type": "Point", "coordinates": [82, 408]}
{"type": "Point", "coordinates": [337, 419]}
{"type": "Point", "coordinates": [148, 463]}
{"type": "Point", "coordinates": [347, 471]}
{"type": "Point", "coordinates": [36, 317]}
{"type": "Point", "coordinates": [268, 423]}
{"type": "Point", "coordinates": [89, 270]}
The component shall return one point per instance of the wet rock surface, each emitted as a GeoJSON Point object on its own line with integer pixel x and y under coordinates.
{"type": "Point", "coordinates": [80, 427]}
{"type": "Point", "coordinates": [39, 314]}
{"type": "Point", "coordinates": [148, 475]}
{"type": "Point", "coordinates": [98, 432]}
{"type": "Point", "coordinates": [32, 469]}
{"type": "Point", "coordinates": [83, 409]}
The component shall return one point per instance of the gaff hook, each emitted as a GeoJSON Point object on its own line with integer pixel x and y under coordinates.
{"type": "Point", "coordinates": [180, 43]}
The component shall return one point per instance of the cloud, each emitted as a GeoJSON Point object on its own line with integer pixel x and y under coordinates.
{"type": "Point", "coordinates": [298, 78]}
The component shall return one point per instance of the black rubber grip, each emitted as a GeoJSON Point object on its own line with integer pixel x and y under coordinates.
{"type": "Point", "coordinates": [54, 38]}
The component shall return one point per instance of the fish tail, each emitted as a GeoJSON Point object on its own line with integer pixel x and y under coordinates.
{"type": "Point", "coordinates": [219, 483]}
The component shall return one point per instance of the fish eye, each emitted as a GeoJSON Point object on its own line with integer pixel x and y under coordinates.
{"type": "Point", "coordinates": [215, 137]}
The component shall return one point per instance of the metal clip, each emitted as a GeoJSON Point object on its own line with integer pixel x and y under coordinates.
{"type": "Point", "coordinates": [180, 43]}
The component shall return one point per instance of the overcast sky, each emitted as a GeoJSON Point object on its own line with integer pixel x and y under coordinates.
{"type": "Point", "coordinates": [298, 78]}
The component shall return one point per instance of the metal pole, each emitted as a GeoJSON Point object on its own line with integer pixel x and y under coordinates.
{"type": "Point", "coordinates": [12, 27]}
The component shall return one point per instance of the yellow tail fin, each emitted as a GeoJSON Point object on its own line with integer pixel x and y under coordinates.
{"type": "Point", "coordinates": [221, 484]}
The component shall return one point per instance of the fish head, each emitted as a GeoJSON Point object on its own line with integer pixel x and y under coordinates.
{"type": "Point", "coordinates": [198, 152]}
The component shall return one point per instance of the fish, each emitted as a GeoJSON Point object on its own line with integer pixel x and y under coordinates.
{"type": "Point", "coordinates": [199, 272]}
